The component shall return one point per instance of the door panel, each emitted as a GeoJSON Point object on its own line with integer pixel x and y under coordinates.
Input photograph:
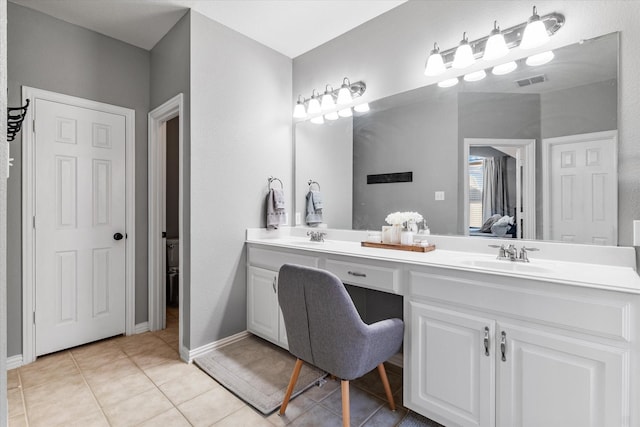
{"type": "Point", "coordinates": [79, 206]}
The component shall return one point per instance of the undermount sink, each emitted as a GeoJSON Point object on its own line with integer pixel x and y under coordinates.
{"type": "Point", "coordinates": [504, 265]}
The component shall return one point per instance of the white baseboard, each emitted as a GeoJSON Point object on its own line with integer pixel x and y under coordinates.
{"type": "Point", "coordinates": [14, 362]}
{"type": "Point", "coordinates": [192, 354]}
{"type": "Point", "coordinates": [141, 328]}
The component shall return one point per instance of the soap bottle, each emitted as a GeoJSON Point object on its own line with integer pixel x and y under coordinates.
{"type": "Point", "coordinates": [406, 236]}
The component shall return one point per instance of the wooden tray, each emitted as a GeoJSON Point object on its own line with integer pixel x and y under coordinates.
{"type": "Point", "coordinates": [399, 247]}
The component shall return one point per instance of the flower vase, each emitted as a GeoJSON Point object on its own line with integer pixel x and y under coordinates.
{"type": "Point", "coordinates": [396, 230]}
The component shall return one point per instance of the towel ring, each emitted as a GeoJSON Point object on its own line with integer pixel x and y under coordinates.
{"type": "Point", "coordinates": [313, 182]}
{"type": "Point", "coordinates": [271, 179]}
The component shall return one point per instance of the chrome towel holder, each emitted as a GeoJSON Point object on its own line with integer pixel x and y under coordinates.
{"type": "Point", "coordinates": [311, 182]}
{"type": "Point", "coordinates": [271, 179]}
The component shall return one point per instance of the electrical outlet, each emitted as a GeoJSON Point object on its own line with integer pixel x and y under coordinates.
{"type": "Point", "coordinates": [439, 195]}
{"type": "Point", "coordinates": [298, 218]}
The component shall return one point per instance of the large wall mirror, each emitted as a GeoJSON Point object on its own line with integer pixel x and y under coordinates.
{"type": "Point", "coordinates": [538, 145]}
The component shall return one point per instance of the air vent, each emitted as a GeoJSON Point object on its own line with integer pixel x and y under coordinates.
{"type": "Point", "coordinates": [531, 80]}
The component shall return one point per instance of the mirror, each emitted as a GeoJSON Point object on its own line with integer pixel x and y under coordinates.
{"type": "Point", "coordinates": [554, 126]}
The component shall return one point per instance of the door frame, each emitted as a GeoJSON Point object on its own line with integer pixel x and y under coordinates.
{"type": "Point", "coordinates": [528, 147]}
{"type": "Point", "coordinates": [158, 118]}
{"type": "Point", "coordinates": [28, 210]}
{"type": "Point", "coordinates": [547, 143]}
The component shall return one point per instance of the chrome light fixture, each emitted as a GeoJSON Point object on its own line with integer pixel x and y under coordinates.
{"type": "Point", "coordinates": [540, 58]}
{"type": "Point", "coordinates": [299, 111]}
{"type": "Point", "coordinates": [464, 54]}
{"type": "Point", "coordinates": [476, 76]}
{"type": "Point", "coordinates": [317, 120]}
{"type": "Point", "coordinates": [324, 107]}
{"type": "Point", "coordinates": [535, 33]}
{"type": "Point", "coordinates": [344, 94]}
{"type": "Point", "coordinates": [435, 64]}
{"type": "Point", "coordinates": [327, 99]}
{"type": "Point", "coordinates": [361, 108]}
{"type": "Point", "coordinates": [496, 47]}
{"type": "Point", "coordinates": [449, 82]}
{"type": "Point", "coordinates": [314, 104]}
{"type": "Point", "coordinates": [332, 116]}
{"type": "Point", "coordinates": [345, 112]}
{"type": "Point", "coordinates": [502, 69]}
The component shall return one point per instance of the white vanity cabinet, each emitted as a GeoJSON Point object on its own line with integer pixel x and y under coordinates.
{"type": "Point", "coordinates": [489, 350]}
{"type": "Point", "coordinates": [264, 317]}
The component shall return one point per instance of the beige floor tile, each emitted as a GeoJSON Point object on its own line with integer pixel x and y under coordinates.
{"type": "Point", "coordinates": [18, 421]}
{"type": "Point", "coordinates": [108, 355]}
{"type": "Point", "coordinates": [319, 393]}
{"type": "Point", "coordinates": [13, 379]}
{"type": "Point", "coordinates": [155, 356]}
{"type": "Point", "coordinates": [137, 409]}
{"type": "Point", "coordinates": [362, 404]}
{"type": "Point", "coordinates": [117, 369]}
{"type": "Point", "coordinates": [244, 417]}
{"type": "Point", "coordinates": [372, 383]}
{"type": "Point", "coordinates": [168, 371]}
{"type": "Point", "coordinates": [210, 407]}
{"type": "Point", "coordinates": [385, 417]}
{"type": "Point", "coordinates": [141, 343]}
{"type": "Point", "coordinates": [318, 416]}
{"type": "Point", "coordinates": [295, 408]}
{"type": "Point", "coordinates": [55, 391]}
{"type": "Point", "coordinates": [16, 405]}
{"type": "Point", "coordinates": [48, 368]}
{"type": "Point", "coordinates": [187, 387]}
{"type": "Point", "coordinates": [111, 391]}
{"type": "Point", "coordinates": [170, 418]}
{"type": "Point", "coordinates": [96, 347]}
{"type": "Point", "coordinates": [77, 409]}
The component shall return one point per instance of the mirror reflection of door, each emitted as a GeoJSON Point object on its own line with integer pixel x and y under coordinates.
{"type": "Point", "coordinates": [499, 188]}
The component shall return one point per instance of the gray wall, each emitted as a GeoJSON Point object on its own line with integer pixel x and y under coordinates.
{"type": "Point", "coordinates": [240, 135]}
{"type": "Point", "coordinates": [582, 109]}
{"type": "Point", "coordinates": [3, 212]}
{"type": "Point", "coordinates": [419, 138]}
{"type": "Point", "coordinates": [324, 153]}
{"type": "Point", "coordinates": [171, 75]}
{"type": "Point", "coordinates": [46, 53]}
{"type": "Point", "coordinates": [172, 169]}
{"type": "Point", "coordinates": [389, 53]}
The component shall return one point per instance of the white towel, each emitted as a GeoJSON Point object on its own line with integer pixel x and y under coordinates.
{"type": "Point", "coordinates": [276, 214]}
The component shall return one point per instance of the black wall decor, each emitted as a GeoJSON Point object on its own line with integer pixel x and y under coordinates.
{"type": "Point", "coordinates": [387, 178]}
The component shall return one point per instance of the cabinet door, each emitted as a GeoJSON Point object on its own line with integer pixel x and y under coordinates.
{"type": "Point", "coordinates": [262, 303]}
{"type": "Point", "coordinates": [282, 334]}
{"type": "Point", "coordinates": [555, 381]}
{"type": "Point", "coordinates": [451, 375]}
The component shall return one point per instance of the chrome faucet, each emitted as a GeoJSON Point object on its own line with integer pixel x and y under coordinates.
{"type": "Point", "coordinates": [316, 236]}
{"type": "Point", "coordinates": [511, 253]}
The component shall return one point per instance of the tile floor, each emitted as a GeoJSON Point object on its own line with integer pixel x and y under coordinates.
{"type": "Point", "coordinates": [140, 380]}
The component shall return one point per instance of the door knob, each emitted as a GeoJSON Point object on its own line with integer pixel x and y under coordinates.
{"type": "Point", "coordinates": [118, 236]}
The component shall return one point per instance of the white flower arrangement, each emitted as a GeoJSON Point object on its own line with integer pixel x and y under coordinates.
{"type": "Point", "coordinates": [399, 218]}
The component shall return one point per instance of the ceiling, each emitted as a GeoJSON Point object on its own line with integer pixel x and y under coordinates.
{"type": "Point", "coordinates": [291, 27]}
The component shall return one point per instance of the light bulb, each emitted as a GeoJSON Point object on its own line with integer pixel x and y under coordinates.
{"type": "Point", "coordinates": [502, 69]}
{"type": "Point", "coordinates": [317, 120]}
{"type": "Point", "coordinates": [475, 76]}
{"type": "Point", "coordinates": [345, 112]}
{"type": "Point", "coordinates": [344, 94]}
{"type": "Point", "coordinates": [327, 100]}
{"type": "Point", "coordinates": [298, 111]}
{"type": "Point", "coordinates": [448, 82]}
{"type": "Point", "coordinates": [362, 108]}
{"type": "Point", "coordinates": [463, 57]}
{"type": "Point", "coordinates": [435, 64]}
{"type": "Point", "coordinates": [314, 106]}
{"type": "Point", "coordinates": [540, 58]}
{"type": "Point", "coordinates": [535, 33]}
{"type": "Point", "coordinates": [331, 116]}
{"type": "Point", "coordinates": [496, 47]}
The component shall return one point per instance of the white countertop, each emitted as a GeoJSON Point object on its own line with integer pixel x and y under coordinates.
{"type": "Point", "coordinates": [611, 268]}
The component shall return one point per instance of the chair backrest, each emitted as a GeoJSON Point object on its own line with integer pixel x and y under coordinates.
{"type": "Point", "coordinates": [323, 325]}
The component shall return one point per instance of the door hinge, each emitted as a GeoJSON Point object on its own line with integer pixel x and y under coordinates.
{"type": "Point", "coordinates": [33, 125]}
{"type": "Point", "coordinates": [34, 221]}
{"type": "Point", "coordinates": [34, 317]}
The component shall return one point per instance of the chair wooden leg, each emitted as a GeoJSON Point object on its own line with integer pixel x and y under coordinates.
{"type": "Point", "coordinates": [346, 415]}
{"type": "Point", "coordinates": [387, 388]}
{"type": "Point", "coordinates": [292, 384]}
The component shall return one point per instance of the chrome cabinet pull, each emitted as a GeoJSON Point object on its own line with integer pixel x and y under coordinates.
{"type": "Point", "coordinates": [274, 286]}
{"type": "Point", "coordinates": [503, 346]}
{"type": "Point", "coordinates": [357, 274]}
{"type": "Point", "coordinates": [486, 341]}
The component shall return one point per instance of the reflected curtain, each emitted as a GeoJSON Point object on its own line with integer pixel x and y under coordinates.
{"type": "Point", "coordinates": [495, 194]}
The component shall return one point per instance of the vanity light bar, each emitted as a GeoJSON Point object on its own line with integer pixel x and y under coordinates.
{"type": "Point", "coordinates": [302, 107]}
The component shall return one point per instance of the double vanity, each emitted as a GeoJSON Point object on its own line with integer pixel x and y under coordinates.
{"type": "Point", "coordinates": [488, 342]}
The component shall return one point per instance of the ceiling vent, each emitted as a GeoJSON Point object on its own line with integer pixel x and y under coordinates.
{"type": "Point", "coordinates": [531, 80]}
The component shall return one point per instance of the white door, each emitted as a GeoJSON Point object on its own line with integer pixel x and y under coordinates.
{"type": "Point", "coordinates": [555, 381]}
{"type": "Point", "coordinates": [79, 209]}
{"type": "Point", "coordinates": [262, 303]}
{"type": "Point", "coordinates": [452, 368]}
{"type": "Point", "coordinates": [582, 193]}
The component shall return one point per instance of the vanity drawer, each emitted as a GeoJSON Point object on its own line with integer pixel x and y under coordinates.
{"type": "Point", "coordinates": [368, 276]}
{"type": "Point", "coordinates": [273, 259]}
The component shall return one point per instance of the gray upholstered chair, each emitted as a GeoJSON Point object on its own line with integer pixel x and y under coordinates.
{"type": "Point", "coordinates": [325, 330]}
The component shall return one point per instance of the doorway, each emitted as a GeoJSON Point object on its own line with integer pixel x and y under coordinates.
{"type": "Point", "coordinates": [166, 218]}
{"type": "Point", "coordinates": [78, 222]}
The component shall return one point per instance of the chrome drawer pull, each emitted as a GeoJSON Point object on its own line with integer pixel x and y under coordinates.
{"type": "Point", "coordinates": [486, 341]}
{"type": "Point", "coordinates": [503, 346]}
{"type": "Point", "coordinates": [274, 286]}
{"type": "Point", "coordinates": [355, 273]}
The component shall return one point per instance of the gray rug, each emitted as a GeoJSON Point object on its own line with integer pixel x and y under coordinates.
{"type": "Point", "coordinates": [257, 371]}
{"type": "Point", "coordinates": [416, 420]}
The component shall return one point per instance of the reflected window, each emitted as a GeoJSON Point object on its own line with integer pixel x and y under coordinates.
{"type": "Point", "coordinates": [476, 179]}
